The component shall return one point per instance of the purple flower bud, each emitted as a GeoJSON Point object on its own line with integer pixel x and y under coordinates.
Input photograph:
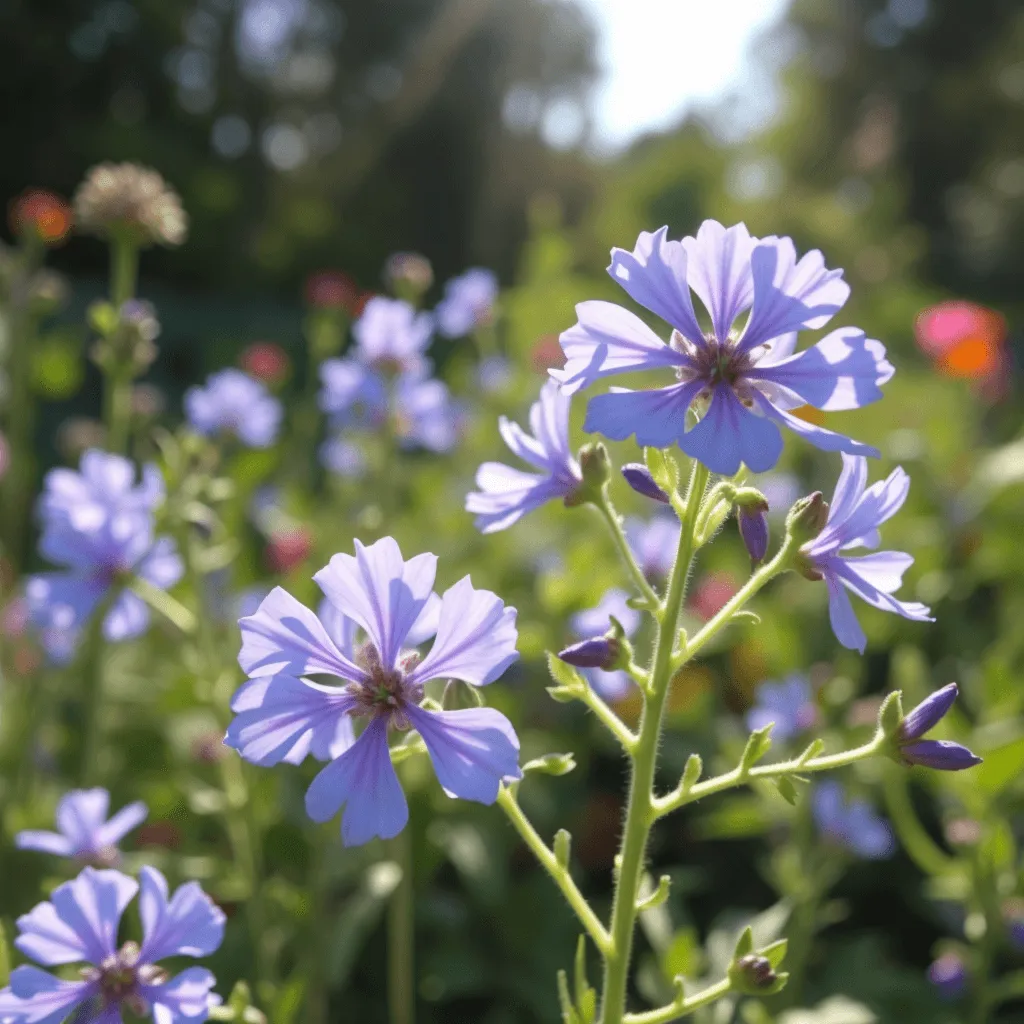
{"type": "Point", "coordinates": [927, 714]}
{"type": "Point", "coordinates": [949, 976]}
{"type": "Point", "coordinates": [753, 524]}
{"type": "Point", "coordinates": [597, 652]}
{"type": "Point", "coordinates": [638, 476]}
{"type": "Point", "coordinates": [940, 754]}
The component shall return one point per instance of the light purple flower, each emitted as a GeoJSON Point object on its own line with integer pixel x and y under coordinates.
{"type": "Point", "coordinates": [788, 705]}
{"type": "Point", "coordinates": [231, 402]}
{"type": "Point", "coordinates": [392, 337]}
{"type": "Point", "coordinates": [948, 974]}
{"type": "Point", "coordinates": [494, 374]}
{"type": "Point", "coordinates": [747, 380]}
{"type": "Point", "coordinates": [281, 716]}
{"type": "Point", "coordinates": [468, 302]}
{"type": "Point", "coordinates": [342, 457]}
{"type": "Point", "coordinates": [425, 416]}
{"type": "Point", "coordinates": [655, 543]}
{"type": "Point", "coordinates": [506, 494]}
{"type": "Point", "coordinates": [853, 520]}
{"type": "Point", "coordinates": [851, 823]}
{"type": "Point", "coordinates": [593, 622]}
{"type": "Point", "coordinates": [80, 925]}
{"type": "Point", "coordinates": [84, 831]}
{"type": "Point", "coordinates": [353, 394]}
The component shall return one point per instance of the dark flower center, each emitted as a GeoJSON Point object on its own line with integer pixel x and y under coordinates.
{"type": "Point", "coordinates": [385, 692]}
{"type": "Point", "coordinates": [120, 976]}
{"type": "Point", "coordinates": [715, 362]}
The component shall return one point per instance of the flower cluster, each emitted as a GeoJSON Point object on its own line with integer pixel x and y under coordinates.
{"type": "Point", "coordinates": [233, 404]}
{"type": "Point", "coordinates": [468, 302]}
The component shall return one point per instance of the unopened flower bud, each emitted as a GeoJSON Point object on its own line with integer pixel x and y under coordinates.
{"type": "Point", "coordinates": [601, 652]}
{"type": "Point", "coordinates": [753, 973]}
{"type": "Point", "coordinates": [639, 477]}
{"type": "Point", "coordinates": [130, 201]}
{"type": "Point", "coordinates": [948, 974]}
{"type": "Point", "coordinates": [942, 755]}
{"type": "Point", "coordinates": [807, 517]}
{"type": "Point", "coordinates": [596, 469]}
{"type": "Point", "coordinates": [408, 274]}
{"type": "Point", "coordinates": [752, 521]}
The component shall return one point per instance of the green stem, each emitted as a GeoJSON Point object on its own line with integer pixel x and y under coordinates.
{"type": "Point", "coordinates": [507, 802]}
{"type": "Point", "coordinates": [640, 814]}
{"type": "Point", "coordinates": [402, 936]}
{"type": "Point", "coordinates": [681, 1007]}
{"type": "Point", "coordinates": [611, 517]}
{"type": "Point", "coordinates": [911, 833]}
{"type": "Point", "coordinates": [610, 720]}
{"type": "Point", "coordinates": [169, 607]}
{"type": "Point", "coordinates": [117, 398]}
{"type": "Point", "coordinates": [94, 696]}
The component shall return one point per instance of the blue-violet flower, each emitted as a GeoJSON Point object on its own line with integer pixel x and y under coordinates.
{"type": "Point", "coordinates": [788, 705]}
{"type": "Point", "coordinates": [232, 403]}
{"type": "Point", "coordinates": [852, 824]}
{"type": "Point", "coordinates": [468, 302]}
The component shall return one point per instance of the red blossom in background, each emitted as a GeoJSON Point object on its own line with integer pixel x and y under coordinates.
{"type": "Point", "coordinates": [547, 354]}
{"type": "Point", "coordinates": [335, 290]}
{"type": "Point", "coordinates": [288, 549]}
{"type": "Point", "coordinates": [962, 338]}
{"type": "Point", "coordinates": [712, 594]}
{"type": "Point", "coordinates": [266, 362]}
{"type": "Point", "coordinates": [41, 214]}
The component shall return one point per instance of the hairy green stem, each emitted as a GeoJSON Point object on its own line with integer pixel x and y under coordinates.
{"type": "Point", "coordinates": [681, 1007]}
{"type": "Point", "coordinates": [611, 517]}
{"type": "Point", "coordinates": [640, 814]}
{"type": "Point", "coordinates": [402, 936]}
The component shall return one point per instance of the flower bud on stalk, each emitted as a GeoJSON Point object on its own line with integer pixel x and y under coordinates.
{"type": "Point", "coordinates": [639, 477]}
{"type": "Point", "coordinates": [609, 652]}
{"type": "Point", "coordinates": [942, 755]}
{"type": "Point", "coordinates": [752, 520]}
{"type": "Point", "coordinates": [596, 468]}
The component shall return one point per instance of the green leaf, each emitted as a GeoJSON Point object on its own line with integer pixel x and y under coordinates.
{"type": "Point", "coordinates": [362, 913]}
{"type": "Point", "coordinates": [757, 746]}
{"type": "Point", "coordinates": [569, 1015]}
{"type": "Point", "coordinates": [551, 764]}
{"type": "Point", "coordinates": [786, 789]}
{"type": "Point", "coordinates": [744, 944]}
{"type": "Point", "coordinates": [890, 714]}
{"type": "Point", "coordinates": [664, 469]}
{"type": "Point", "coordinates": [562, 848]}
{"type": "Point", "coordinates": [776, 952]}
{"type": "Point", "coordinates": [565, 675]}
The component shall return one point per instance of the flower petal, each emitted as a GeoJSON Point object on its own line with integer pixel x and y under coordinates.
{"type": "Point", "coordinates": [280, 718]}
{"type": "Point", "coordinates": [36, 997]}
{"type": "Point", "coordinates": [826, 440]}
{"type": "Point", "coordinates": [80, 813]}
{"type": "Point", "coordinates": [657, 417]}
{"type": "Point", "coordinates": [790, 295]}
{"type": "Point", "coordinates": [44, 842]}
{"type": "Point", "coordinates": [472, 750]}
{"type": "Point", "coordinates": [113, 831]}
{"type": "Point", "coordinates": [506, 494]}
{"type": "Point", "coordinates": [80, 921]}
{"type": "Point", "coordinates": [364, 781]}
{"type": "Point", "coordinates": [284, 636]}
{"type": "Point", "coordinates": [186, 997]}
{"type": "Point", "coordinates": [928, 713]}
{"type": "Point", "coordinates": [163, 566]}
{"type": "Point", "coordinates": [718, 270]}
{"type": "Point", "coordinates": [943, 755]}
{"type": "Point", "coordinates": [729, 435]}
{"type": "Point", "coordinates": [872, 577]}
{"type": "Point", "coordinates": [655, 275]}
{"type": "Point", "coordinates": [188, 924]}
{"type": "Point", "coordinates": [840, 612]}
{"type": "Point", "coordinates": [476, 638]}
{"type": "Point", "coordinates": [608, 339]}
{"type": "Point", "coordinates": [381, 591]}
{"type": "Point", "coordinates": [128, 617]}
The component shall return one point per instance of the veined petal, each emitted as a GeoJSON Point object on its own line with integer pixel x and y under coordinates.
{"type": "Point", "coordinates": [80, 814]}
{"type": "Point", "coordinates": [869, 576]}
{"type": "Point", "coordinates": [608, 340]}
{"type": "Point", "coordinates": [928, 713]}
{"type": "Point", "coordinates": [507, 494]}
{"type": "Point", "coordinates": [718, 270]}
{"type": "Point", "coordinates": [476, 638]}
{"type": "Point", "coordinates": [80, 921]}
{"type": "Point", "coordinates": [363, 780]}
{"type": "Point", "coordinates": [36, 997]}
{"type": "Point", "coordinates": [280, 718]}
{"type": "Point", "coordinates": [658, 417]}
{"type": "Point", "coordinates": [472, 750]}
{"type": "Point", "coordinates": [729, 435]}
{"type": "Point", "coordinates": [655, 275]}
{"type": "Point", "coordinates": [44, 842]}
{"type": "Point", "coordinates": [381, 591]}
{"type": "Point", "coordinates": [826, 440]}
{"type": "Point", "coordinates": [285, 637]}
{"type": "Point", "coordinates": [849, 488]}
{"type": "Point", "coordinates": [843, 371]}
{"type": "Point", "coordinates": [549, 421]}
{"type": "Point", "coordinates": [187, 924]}
{"type": "Point", "coordinates": [186, 998]}
{"type": "Point", "coordinates": [841, 614]}
{"type": "Point", "coordinates": [790, 295]}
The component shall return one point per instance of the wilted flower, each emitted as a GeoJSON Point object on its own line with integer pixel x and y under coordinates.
{"type": "Point", "coordinates": [266, 362]}
{"type": "Point", "coordinates": [80, 925]}
{"type": "Point", "coordinates": [592, 623]}
{"type": "Point", "coordinates": [788, 705]}
{"type": "Point", "coordinates": [231, 402]}
{"type": "Point", "coordinates": [948, 975]}
{"type": "Point", "coordinates": [506, 494]}
{"type": "Point", "coordinates": [41, 215]}
{"type": "Point", "coordinates": [851, 823]}
{"type": "Point", "coordinates": [468, 302]}
{"type": "Point", "coordinates": [750, 378]}
{"type": "Point", "coordinates": [963, 338]}
{"type": "Point", "coordinates": [280, 716]}
{"type": "Point", "coordinates": [392, 337]}
{"type": "Point", "coordinates": [943, 755]}
{"type": "Point", "coordinates": [85, 833]}
{"type": "Point", "coordinates": [130, 200]}
{"type": "Point", "coordinates": [853, 520]}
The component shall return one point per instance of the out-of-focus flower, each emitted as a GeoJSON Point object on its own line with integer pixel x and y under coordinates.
{"type": "Point", "coordinates": [506, 494]}
{"type": "Point", "coordinates": [948, 975]}
{"type": "Point", "coordinates": [5, 456]}
{"type": "Point", "coordinates": [654, 542]}
{"type": "Point", "coordinates": [752, 380]}
{"type": "Point", "coordinates": [352, 394]}
{"type": "Point", "coordinates": [84, 832]}
{"type": "Point", "coordinates": [266, 362]}
{"type": "Point", "coordinates": [331, 290]}
{"type": "Point", "coordinates": [47, 291]}
{"type": "Point", "coordinates": [130, 200]}
{"type": "Point", "coordinates": [77, 435]}
{"type": "Point", "coordinates": [638, 476]}
{"type": "Point", "coordinates": [494, 374]}
{"type": "Point", "coordinates": [408, 274]}
{"type": "Point", "coordinates": [163, 834]}
{"type": "Point", "coordinates": [788, 705]}
{"type": "Point", "coordinates": [280, 716]}
{"type": "Point", "coordinates": [593, 622]}
{"type": "Point", "coordinates": [780, 490]}
{"type": "Point", "coordinates": [963, 338]}
{"type": "Point", "coordinates": [851, 823]}
{"type": "Point", "coordinates": [81, 924]}
{"type": "Point", "coordinates": [14, 618]}
{"type": "Point", "coordinates": [392, 337]}
{"type": "Point", "coordinates": [343, 457]}
{"type": "Point", "coordinates": [547, 354]}
{"type": "Point", "coordinates": [424, 414]}
{"type": "Point", "coordinates": [1013, 916]}
{"type": "Point", "coordinates": [41, 215]}
{"type": "Point", "coordinates": [943, 755]}
{"type": "Point", "coordinates": [712, 593]}
{"type": "Point", "coordinates": [853, 520]}
{"type": "Point", "coordinates": [289, 549]}
{"type": "Point", "coordinates": [468, 302]}
{"type": "Point", "coordinates": [231, 402]}
{"type": "Point", "coordinates": [99, 526]}
{"type": "Point", "coordinates": [132, 344]}
{"type": "Point", "coordinates": [148, 401]}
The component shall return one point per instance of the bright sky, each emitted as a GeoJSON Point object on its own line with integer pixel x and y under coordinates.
{"type": "Point", "coordinates": [662, 56]}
